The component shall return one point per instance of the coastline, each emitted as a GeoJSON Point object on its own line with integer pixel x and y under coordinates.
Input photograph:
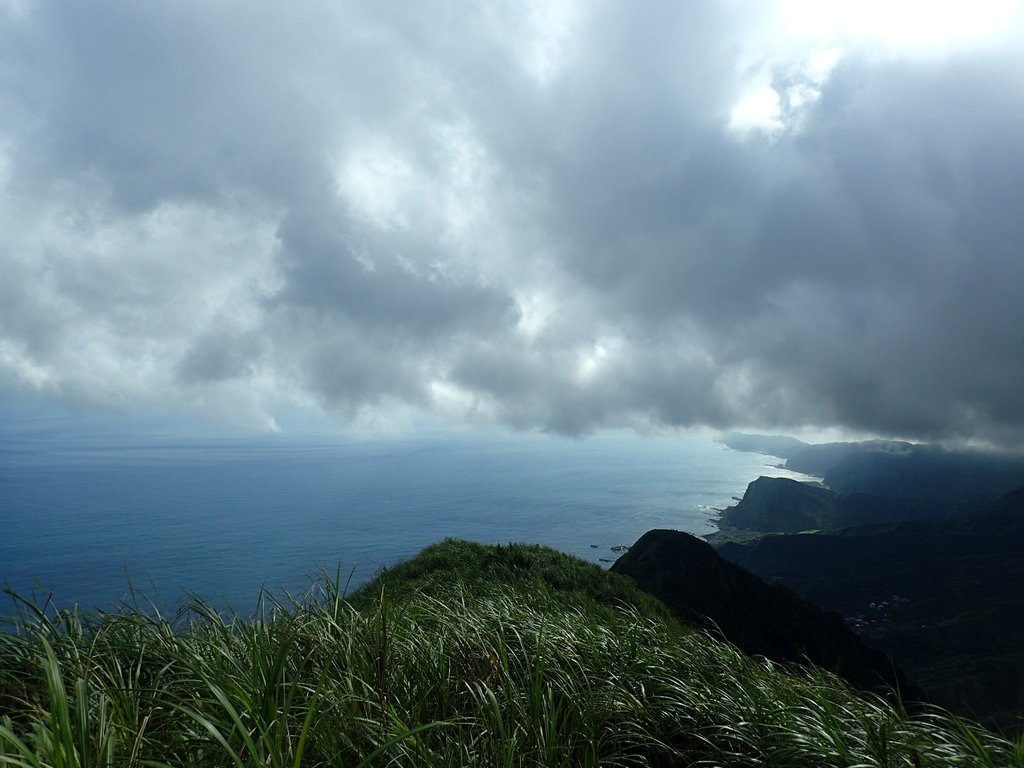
{"type": "Point", "coordinates": [726, 533]}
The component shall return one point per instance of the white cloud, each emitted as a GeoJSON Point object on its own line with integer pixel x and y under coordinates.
{"type": "Point", "coordinates": [108, 303]}
{"type": "Point", "coordinates": [551, 25]}
{"type": "Point", "coordinates": [759, 110]}
{"type": "Point", "coordinates": [902, 26]}
{"type": "Point", "coordinates": [379, 186]}
{"type": "Point", "coordinates": [22, 368]}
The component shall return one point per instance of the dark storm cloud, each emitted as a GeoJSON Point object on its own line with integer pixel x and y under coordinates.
{"type": "Point", "coordinates": [535, 214]}
{"type": "Point", "coordinates": [324, 273]}
{"type": "Point", "coordinates": [220, 356]}
{"type": "Point", "coordinates": [919, 330]}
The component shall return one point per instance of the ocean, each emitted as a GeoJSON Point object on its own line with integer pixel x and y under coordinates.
{"type": "Point", "coordinates": [86, 520]}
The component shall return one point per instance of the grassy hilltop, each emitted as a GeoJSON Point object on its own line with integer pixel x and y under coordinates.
{"type": "Point", "coordinates": [466, 655]}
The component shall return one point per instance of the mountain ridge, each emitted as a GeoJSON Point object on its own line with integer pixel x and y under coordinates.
{"type": "Point", "coordinates": [784, 505]}
{"type": "Point", "coordinates": [704, 589]}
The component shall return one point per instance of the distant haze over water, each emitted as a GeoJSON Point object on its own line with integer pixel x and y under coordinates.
{"type": "Point", "coordinates": [222, 518]}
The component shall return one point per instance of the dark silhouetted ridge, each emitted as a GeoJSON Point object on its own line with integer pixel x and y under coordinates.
{"type": "Point", "coordinates": [702, 588]}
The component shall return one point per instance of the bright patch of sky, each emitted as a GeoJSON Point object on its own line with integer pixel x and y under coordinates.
{"type": "Point", "coordinates": [903, 27]}
{"type": "Point", "coordinates": [784, 73]}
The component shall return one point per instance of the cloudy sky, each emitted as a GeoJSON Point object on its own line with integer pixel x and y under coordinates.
{"type": "Point", "coordinates": [549, 215]}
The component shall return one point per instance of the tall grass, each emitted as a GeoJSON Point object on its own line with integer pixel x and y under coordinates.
{"type": "Point", "coordinates": [508, 672]}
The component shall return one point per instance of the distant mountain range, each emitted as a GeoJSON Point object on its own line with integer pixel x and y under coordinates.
{"type": "Point", "coordinates": [778, 504]}
{"type": "Point", "coordinates": [892, 468]}
{"type": "Point", "coordinates": [921, 549]}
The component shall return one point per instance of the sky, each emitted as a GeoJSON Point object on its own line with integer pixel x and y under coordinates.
{"type": "Point", "coordinates": [556, 216]}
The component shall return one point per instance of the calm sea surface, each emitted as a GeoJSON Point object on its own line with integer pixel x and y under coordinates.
{"type": "Point", "coordinates": [223, 518]}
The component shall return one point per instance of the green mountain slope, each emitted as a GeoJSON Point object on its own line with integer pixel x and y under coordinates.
{"type": "Point", "coordinates": [466, 656]}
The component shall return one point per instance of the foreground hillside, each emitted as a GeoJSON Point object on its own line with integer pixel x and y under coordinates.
{"type": "Point", "coordinates": [466, 655]}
